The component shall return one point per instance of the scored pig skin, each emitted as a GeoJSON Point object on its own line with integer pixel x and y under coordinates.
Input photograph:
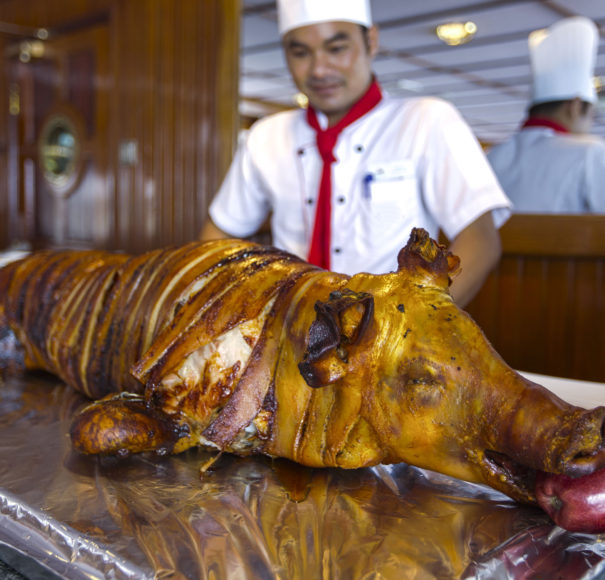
{"type": "Point", "coordinates": [248, 349]}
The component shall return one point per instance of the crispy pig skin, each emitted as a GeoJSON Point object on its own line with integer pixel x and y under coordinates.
{"type": "Point", "coordinates": [248, 349]}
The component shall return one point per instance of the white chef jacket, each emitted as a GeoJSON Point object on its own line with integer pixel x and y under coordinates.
{"type": "Point", "coordinates": [545, 171]}
{"type": "Point", "coordinates": [405, 164]}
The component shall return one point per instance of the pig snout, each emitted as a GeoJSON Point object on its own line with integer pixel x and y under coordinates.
{"type": "Point", "coordinates": [584, 451]}
{"type": "Point", "coordinates": [574, 497]}
{"type": "Point", "coordinates": [543, 432]}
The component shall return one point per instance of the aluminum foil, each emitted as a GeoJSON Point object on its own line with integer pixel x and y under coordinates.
{"type": "Point", "coordinates": [254, 518]}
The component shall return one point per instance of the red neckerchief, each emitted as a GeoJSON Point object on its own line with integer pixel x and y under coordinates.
{"type": "Point", "coordinates": [319, 252]}
{"type": "Point", "coordinates": [540, 122]}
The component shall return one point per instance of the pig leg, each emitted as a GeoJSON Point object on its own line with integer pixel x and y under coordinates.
{"type": "Point", "coordinates": [123, 424]}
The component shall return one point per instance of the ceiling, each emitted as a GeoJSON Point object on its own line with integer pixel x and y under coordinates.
{"type": "Point", "coordinates": [488, 79]}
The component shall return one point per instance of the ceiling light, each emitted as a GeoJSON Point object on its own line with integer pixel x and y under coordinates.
{"type": "Point", "coordinates": [455, 33]}
{"type": "Point", "coordinates": [29, 49]}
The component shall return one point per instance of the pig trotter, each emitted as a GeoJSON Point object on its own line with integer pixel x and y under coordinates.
{"type": "Point", "coordinates": [123, 424]}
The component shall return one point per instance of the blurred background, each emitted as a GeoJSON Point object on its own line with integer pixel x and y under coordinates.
{"type": "Point", "coordinates": [487, 75]}
{"type": "Point", "coordinates": [119, 118]}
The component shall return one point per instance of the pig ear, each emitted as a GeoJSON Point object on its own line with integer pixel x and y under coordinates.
{"type": "Point", "coordinates": [425, 253]}
{"type": "Point", "coordinates": [339, 323]}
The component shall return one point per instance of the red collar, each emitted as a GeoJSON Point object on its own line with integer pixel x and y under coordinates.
{"type": "Point", "coordinates": [541, 122]}
{"type": "Point", "coordinates": [365, 104]}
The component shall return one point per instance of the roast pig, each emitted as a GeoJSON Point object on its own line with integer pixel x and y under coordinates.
{"type": "Point", "coordinates": [247, 349]}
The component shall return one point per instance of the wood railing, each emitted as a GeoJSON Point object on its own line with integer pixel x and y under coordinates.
{"type": "Point", "coordinates": [543, 307]}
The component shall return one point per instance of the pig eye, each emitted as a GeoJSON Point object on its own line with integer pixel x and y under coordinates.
{"type": "Point", "coordinates": [426, 382]}
{"type": "Point", "coordinates": [419, 371]}
{"type": "Point", "coordinates": [422, 381]}
{"type": "Point", "coordinates": [423, 395]}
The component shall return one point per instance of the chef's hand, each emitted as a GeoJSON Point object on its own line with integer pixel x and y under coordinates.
{"type": "Point", "coordinates": [479, 249]}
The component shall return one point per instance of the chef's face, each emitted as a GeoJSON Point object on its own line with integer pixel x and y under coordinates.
{"type": "Point", "coordinates": [331, 63]}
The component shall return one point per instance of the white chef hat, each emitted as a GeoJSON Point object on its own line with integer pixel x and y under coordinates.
{"type": "Point", "coordinates": [563, 59]}
{"type": "Point", "coordinates": [296, 13]}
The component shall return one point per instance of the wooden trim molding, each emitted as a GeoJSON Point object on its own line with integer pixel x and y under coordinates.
{"type": "Point", "coordinates": [554, 235]}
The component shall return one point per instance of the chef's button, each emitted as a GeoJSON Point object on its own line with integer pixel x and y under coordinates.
{"type": "Point", "coordinates": [337, 250]}
{"type": "Point", "coordinates": [310, 201]}
{"type": "Point", "coordinates": [300, 152]}
{"type": "Point", "coordinates": [359, 148]}
{"type": "Point", "coordinates": [341, 199]}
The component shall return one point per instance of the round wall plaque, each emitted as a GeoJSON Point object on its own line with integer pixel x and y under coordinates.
{"type": "Point", "coordinates": [60, 153]}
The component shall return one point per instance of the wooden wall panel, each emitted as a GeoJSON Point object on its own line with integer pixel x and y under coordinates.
{"type": "Point", "coordinates": [543, 308]}
{"type": "Point", "coordinates": [169, 103]}
{"type": "Point", "coordinates": [4, 152]}
{"type": "Point", "coordinates": [185, 124]}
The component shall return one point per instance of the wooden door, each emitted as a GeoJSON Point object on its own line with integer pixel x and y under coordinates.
{"type": "Point", "coordinates": [59, 116]}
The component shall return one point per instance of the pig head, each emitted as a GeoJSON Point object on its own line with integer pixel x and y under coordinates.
{"type": "Point", "coordinates": [430, 390]}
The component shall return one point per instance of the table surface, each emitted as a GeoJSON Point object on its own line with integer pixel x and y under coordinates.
{"type": "Point", "coordinates": [156, 517]}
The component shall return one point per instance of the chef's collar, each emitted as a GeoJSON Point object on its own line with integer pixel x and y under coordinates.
{"type": "Point", "coordinates": [363, 105]}
{"type": "Point", "coordinates": [541, 122]}
{"type": "Point", "coordinates": [322, 120]}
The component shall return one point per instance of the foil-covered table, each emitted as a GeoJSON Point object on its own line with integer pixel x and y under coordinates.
{"type": "Point", "coordinates": [254, 518]}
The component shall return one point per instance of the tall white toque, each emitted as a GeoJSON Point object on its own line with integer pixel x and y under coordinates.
{"type": "Point", "coordinates": [562, 59]}
{"type": "Point", "coordinates": [296, 13]}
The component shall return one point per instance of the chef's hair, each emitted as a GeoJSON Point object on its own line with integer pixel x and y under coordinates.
{"type": "Point", "coordinates": [550, 107]}
{"type": "Point", "coordinates": [365, 33]}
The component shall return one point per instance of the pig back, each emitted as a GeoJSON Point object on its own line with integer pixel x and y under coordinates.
{"type": "Point", "coordinates": [88, 316]}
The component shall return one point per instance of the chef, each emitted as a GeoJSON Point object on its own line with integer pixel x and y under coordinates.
{"type": "Point", "coordinates": [552, 164]}
{"type": "Point", "coordinates": [347, 178]}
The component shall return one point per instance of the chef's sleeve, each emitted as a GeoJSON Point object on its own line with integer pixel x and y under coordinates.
{"type": "Point", "coordinates": [459, 184]}
{"type": "Point", "coordinates": [595, 178]}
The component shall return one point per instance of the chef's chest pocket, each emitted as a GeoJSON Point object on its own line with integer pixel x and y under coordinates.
{"type": "Point", "coordinates": [392, 194]}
